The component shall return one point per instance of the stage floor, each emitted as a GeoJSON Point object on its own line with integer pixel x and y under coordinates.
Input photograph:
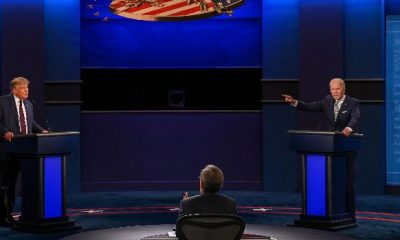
{"type": "Point", "coordinates": [267, 213]}
{"type": "Point", "coordinates": [139, 232]}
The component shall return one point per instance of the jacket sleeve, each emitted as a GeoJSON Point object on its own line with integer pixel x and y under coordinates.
{"type": "Point", "coordinates": [355, 117]}
{"type": "Point", "coordinates": [36, 128]}
{"type": "Point", "coordinates": [3, 129]}
{"type": "Point", "coordinates": [318, 106]}
{"type": "Point", "coordinates": [181, 209]}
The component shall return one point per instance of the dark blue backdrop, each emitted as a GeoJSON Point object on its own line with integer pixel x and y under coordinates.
{"type": "Point", "coordinates": [220, 41]}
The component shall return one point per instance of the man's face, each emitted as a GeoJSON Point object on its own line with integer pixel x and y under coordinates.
{"type": "Point", "coordinates": [21, 91]}
{"type": "Point", "coordinates": [337, 90]}
{"type": "Point", "coordinates": [201, 186]}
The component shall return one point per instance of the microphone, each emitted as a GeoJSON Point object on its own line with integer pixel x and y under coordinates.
{"type": "Point", "coordinates": [41, 114]}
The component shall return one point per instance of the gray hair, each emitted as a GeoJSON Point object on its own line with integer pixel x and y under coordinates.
{"type": "Point", "coordinates": [212, 178]}
{"type": "Point", "coordinates": [338, 80]}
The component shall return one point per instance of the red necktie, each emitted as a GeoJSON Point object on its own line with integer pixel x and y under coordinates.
{"type": "Point", "coordinates": [22, 118]}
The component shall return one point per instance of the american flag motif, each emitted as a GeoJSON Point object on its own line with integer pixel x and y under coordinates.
{"type": "Point", "coordinates": [172, 10]}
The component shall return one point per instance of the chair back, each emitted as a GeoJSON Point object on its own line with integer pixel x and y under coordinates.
{"type": "Point", "coordinates": [210, 227]}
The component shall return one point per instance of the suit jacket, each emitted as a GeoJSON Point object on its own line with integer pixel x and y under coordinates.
{"type": "Point", "coordinates": [207, 203]}
{"type": "Point", "coordinates": [348, 116]}
{"type": "Point", "coordinates": [9, 121]}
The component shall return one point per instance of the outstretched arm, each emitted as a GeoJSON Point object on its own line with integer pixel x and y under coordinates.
{"type": "Point", "coordinates": [289, 99]}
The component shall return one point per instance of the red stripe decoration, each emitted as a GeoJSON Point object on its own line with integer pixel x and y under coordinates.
{"type": "Point", "coordinates": [191, 10]}
{"type": "Point", "coordinates": [141, 7]}
{"type": "Point", "coordinates": [167, 10]}
{"type": "Point", "coordinates": [118, 4]}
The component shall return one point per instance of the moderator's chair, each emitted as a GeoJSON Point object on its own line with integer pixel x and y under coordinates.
{"type": "Point", "coordinates": [210, 227]}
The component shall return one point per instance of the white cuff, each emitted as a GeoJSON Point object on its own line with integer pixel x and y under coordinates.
{"type": "Point", "coordinates": [349, 128]}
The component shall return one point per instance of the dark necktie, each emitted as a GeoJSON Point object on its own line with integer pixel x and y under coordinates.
{"type": "Point", "coordinates": [336, 109]}
{"type": "Point", "coordinates": [22, 118]}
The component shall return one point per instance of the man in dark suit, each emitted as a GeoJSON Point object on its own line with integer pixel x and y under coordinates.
{"type": "Point", "coordinates": [209, 201]}
{"type": "Point", "coordinates": [16, 118]}
{"type": "Point", "coordinates": [342, 112]}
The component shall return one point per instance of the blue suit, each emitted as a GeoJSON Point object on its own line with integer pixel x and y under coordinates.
{"type": "Point", "coordinates": [9, 116]}
{"type": "Point", "coordinates": [348, 116]}
{"type": "Point", "coordinates": [9, 167]}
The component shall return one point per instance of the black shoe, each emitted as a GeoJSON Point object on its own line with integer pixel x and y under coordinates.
{"type": "Point", "coordinates": [5, 222]}
{"type": "Point", "coordinates": [11, 219]}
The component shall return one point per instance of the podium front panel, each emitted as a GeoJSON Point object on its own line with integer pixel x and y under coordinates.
{"type": "Point", "coordinates": [53, 187]}
{"type": "Point", "coordinates": [315, 184]}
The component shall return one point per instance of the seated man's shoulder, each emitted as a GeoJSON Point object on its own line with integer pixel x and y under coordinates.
{"type": "Point", "coordinates": [192, 198]}
{"type": "Point", "coordinates": [208, 196]}
{"type": "Point", "coordinates": [223, 199]}
{"type": "Point", "coordinates": [226, 197]}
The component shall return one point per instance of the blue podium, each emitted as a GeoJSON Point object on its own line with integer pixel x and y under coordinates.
{"type": "Point", "coordinates": [43, 180]}
{"type": "Point", "coordinates": [328, 177]}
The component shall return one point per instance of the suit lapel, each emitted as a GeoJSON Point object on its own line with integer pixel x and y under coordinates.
{"type": "Point", "coordinates": [331, 115]}
{"type": "Point", "coordinates": [345, 104]}
{"type": "Point", "coordinates": [29, 116]}
{"type": "Point", "coordinates": [14, 111]}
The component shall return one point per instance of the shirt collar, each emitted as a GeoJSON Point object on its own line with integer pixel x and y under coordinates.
{"type": "Point", "coordinates": [16, 99]}
{"type": "Point", "coordinates": [342, 99]}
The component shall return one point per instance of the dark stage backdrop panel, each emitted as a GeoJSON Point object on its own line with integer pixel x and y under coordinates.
{"type": "Point", "coordinates": [111, 41]}
{"type": "Point", "coordinates": [166, 150]}
{"type": "Point", "coordinates": [171, 89]}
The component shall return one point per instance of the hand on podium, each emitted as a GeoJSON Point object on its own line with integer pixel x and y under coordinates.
{"type": "Point", "coordinates": [346, 131]}
{"type": "Point", "coordinates": [8, 136]}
